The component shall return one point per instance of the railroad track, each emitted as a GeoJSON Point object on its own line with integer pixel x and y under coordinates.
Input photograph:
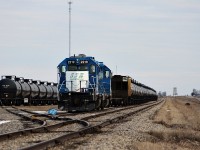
{"type": "Point", "coordinates": [39, 118]}
{"type": "Point", "coordinates": [95, 123]}
{"type": "Point", "coordinates": [27, 116]}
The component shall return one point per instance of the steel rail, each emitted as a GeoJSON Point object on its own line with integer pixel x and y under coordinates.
{"type": "Point", "coordinates": [113, 111]}
{"type": "Point", "coordinates": [20, 113]}
{"type": "Point", "coordinates": [87, 130]}
{"type": "Point", "coordinates": [43, 127]}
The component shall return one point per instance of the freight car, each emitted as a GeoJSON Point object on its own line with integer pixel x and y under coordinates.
{"type": "Point", "coordinates": [17, 91]}
{"type": "Point", "coordinates": [127, 91]}
{"type": "Point", "coordinates": [84, 84]}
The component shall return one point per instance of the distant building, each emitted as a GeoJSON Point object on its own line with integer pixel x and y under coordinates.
{"type": "Point", "coordinates": [164, 93]}
{"type": "Point", "coordinates": [195, 92]}
{"type": "Point", "coordinates": [175, 91]}
{"type": "Point", "coordinates": [161, 94]}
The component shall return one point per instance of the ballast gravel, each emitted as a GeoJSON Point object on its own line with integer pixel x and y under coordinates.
{"type": "Point", "coordinates": [122, 135]}
{"type": "Point", "coordinates": [12, 122]}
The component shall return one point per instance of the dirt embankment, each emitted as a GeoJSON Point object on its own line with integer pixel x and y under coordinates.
{"type": "Point", "coordinates": [181, 117]}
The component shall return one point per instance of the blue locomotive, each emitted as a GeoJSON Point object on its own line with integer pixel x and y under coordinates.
{"type": "Point", "coordinates": [84, 84]}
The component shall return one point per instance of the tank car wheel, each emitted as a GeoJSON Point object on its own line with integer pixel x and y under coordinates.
{"type": "Point", "coordinates": [7, 102]}
{"type": "Point", "coordinates": [35, 102]}
{"type": "Point", "coordinates": [18, 102]}
{"type": "Point", "coordinates": [14, 102]}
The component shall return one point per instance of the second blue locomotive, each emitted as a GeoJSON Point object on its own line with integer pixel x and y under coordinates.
{"type": "Point", "coordinates": [84, 84]}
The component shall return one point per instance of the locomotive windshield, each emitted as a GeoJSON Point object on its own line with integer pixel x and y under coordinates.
{"type": "Point", "coordinates": [77, 68]}
{"type": "Point", "coordinates": [72, 68]}
{"type": "Point", "coordinates": [83, 67]}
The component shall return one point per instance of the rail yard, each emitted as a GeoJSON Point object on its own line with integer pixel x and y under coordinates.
{"type": "Point", "coordinates": [170, 122]}
{"type": "Point", "coordinates": [127, 78]}
{"type": "Point", "coordinates": [89, 108]}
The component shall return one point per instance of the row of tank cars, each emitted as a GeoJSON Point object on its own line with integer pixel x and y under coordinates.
{"type": "Point", "coordinates": [19, 91]}
{"type": "Point", "coordinates": [85, 84]}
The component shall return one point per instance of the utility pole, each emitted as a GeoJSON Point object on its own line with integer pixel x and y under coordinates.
{"type": "Point", "coordinates": [69, 27]}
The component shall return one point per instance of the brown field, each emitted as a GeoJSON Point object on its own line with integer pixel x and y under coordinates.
{"type": "Point", "coordinates": [181, 117]}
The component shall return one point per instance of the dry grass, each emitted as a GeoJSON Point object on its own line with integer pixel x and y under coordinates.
{"type": "Point", "coordinates": [179, 113]}
{"type": "Point", "coordinates": [181, 117]}
{"type": "Point", "coordinates": [160, 146]}
{"type": "Point", "coordinates": [178, 139]}
{"type": "Point", "coordinates": [175, 136]}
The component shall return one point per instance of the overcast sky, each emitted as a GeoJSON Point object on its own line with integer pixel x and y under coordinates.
{"type": "Point", "coordinates": [156, 42]}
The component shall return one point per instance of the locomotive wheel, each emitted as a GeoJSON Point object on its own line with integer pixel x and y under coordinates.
{"type": "Point", "coordinates": [102, 104]}
{"type": "Point", "coordinates": [98, 103]}
{"type": "Point", "coordinates": [109, 103]}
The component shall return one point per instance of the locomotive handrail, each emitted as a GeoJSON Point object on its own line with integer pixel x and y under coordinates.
{"type": "Point", "coordinates": [61, 85]}
{"type": "Point", "coordinates": [93, 82]}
